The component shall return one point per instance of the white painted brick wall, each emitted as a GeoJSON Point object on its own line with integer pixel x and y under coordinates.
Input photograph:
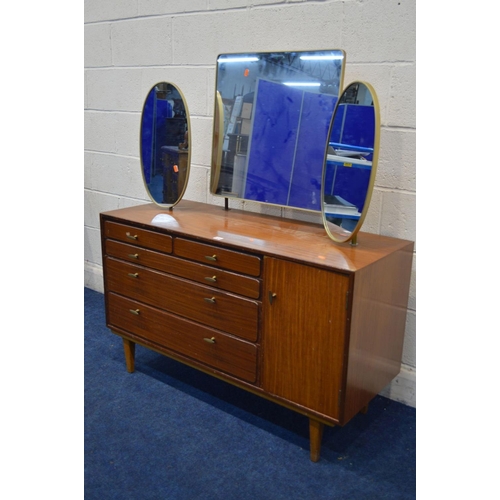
{"type": "Point", "coordinates": [132, 44]}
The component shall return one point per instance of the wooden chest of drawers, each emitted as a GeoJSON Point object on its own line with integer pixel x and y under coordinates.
{"type": "Point", "coordinates": [268, 304]}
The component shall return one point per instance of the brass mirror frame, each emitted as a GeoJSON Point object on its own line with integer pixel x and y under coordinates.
{"type": "Point", "coordinates": [189, 142]}
{"type": "Point", "coordinates": [342, 235]}
{"type": "Point", "coordinates": [217, 140]}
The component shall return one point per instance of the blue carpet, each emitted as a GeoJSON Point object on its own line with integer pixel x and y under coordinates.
{"type": "Point", "coordinates": [168, 431]}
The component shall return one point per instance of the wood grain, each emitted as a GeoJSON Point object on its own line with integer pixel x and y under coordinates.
{"type": "Point", "coordinates": [281, 310]}
{"type": "Point", "coordinates": [304, 335]}
{"type": "Point", "coordinates": [304, 242]}
{"type": "Point", "coordinates": [230, 313]}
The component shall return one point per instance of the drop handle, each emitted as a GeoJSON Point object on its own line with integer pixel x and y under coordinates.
{"type": "Point", "coordinates": [133, 275]}
{"type": "Point", "coordinates": [212, 279]}
{"type": "Point", "coordinates": [272, 296]}
{"type": "Point", "coordinates": [135, 311]}
{"type": "Point", "coordinates": [211, 257]}
{"type": "Point", "coordinates": [131, 236]}
{"type": "Point", "coordinates": [210, 299]}
{"type": "Point", "coordinates": [210, 341]}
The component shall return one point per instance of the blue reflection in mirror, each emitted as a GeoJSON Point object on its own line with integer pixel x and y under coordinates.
{"type": "Point", "coordinates": [349, 159]}
{"type": "Point", "coordinates": [165, 144]}
{"type": "Point", "coordinates": [277, 108]}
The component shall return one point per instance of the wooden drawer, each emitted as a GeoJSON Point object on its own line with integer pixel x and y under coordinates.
{"type": "Point", "coordinates": [139, 237]}
{"type": "Point", "coordinates": [217, 278]}
{"type": "Point", "coordinates": [206, 345]}
{"type": "Point", "coordinates": [218, 257]}
{"type": "Point", "coordinates": [221, 310]}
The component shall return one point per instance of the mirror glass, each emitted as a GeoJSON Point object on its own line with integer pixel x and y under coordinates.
{"type": "Point", "coordinates": [271, 121]}
{"type": "Point", "coordinates": [165, 144]}
{"type": "Point", "coordinates": [351, 161]}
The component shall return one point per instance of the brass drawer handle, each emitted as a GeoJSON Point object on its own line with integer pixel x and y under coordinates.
{"type": "Point", "coordinates": [131, 236]}
{"type": "Point", "coordinates": [135, 311]}
{"type": "Point", "coordinates": [210, 341]}
{"type": "Point", "coordinates": [212, 279]}
{"type": "Point", "coordinates": [211, 300]}
{"type": "Point", "coordinates": [133, 275]}
{"type": "Point", "coordinates": [133, 255]}
{"type": "Point", "coordinates": [211, 257]}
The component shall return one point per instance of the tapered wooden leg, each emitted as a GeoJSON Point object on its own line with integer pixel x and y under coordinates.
{"type": "Point", "coordinates": [315, 436]}
{"type": "Point", "coordinates": [129, 348]}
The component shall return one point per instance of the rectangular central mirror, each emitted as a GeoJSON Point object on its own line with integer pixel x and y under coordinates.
{"type": "Point", "coordinates": [271, 121]}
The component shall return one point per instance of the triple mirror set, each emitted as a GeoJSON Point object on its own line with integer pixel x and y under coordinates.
{"type": "Point", "coordinates": [285, 134]}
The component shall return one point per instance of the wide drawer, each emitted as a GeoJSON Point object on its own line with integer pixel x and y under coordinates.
{"type": "Point", "coordinates": [221, 310]}
{"type": "Point", "coordinates": [206, 345]}
{"type": "Point", "coordinates": [218, 257]}
{"type": "Point", "coordinates": [139, 237]}
{"type": "Point", "coordinates": [218, 278]}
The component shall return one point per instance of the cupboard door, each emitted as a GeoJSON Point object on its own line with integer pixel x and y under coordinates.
{"type": "Point", "coordinates": [304, 331]}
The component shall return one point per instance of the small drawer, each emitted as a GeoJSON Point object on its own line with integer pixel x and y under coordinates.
{"type": "Point", "coordinates": [218, 257]}
{"type": "Point", "coordinates": [206, 275]}
{"type": "Point", "coordinates": [139, 237]}
{"type": "Point", "coordinates": [224, 311]}
{"type": "Point", "coordinates": [205, 345]}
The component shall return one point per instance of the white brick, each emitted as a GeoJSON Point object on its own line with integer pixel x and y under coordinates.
{"type": "Point", "coordinates": [216, 33]}
{"type": "Point", "coordinates": [92, 245]}
{"type": "Point", "coordinates": [118, 175]}
{"type": "Point", "coordinates": [87, 165]}
{"type": "Point", "coordinates": [410, 342]}
{"type": "Point", "coordinates": [412, 299]}
{"type": "Point", "coordinates": [112, 132]}
{"type": "Point", "coordinates": [197, 184]}
{"type": "Point", "coordinates": [114, 89]}
{"type": "Point", "coordinates": [396, 165]}
{"type": "Point", "coordinates": [398, 215]}
{"type": "Point", "coordinates": [104, 10]}
{"type": "Point", "coordinates": [95, 203]}
{"type": "Point", "coordinates": [127, 134]}
{"type": "Point", "coordinates": [152, 7]}
{"type": "Point", "coordinates": [379, 31]}
{"type": "Point", "coordinates": [143, 42]}
{"type": "Point", "coordinates": [201, 136]}
{"type": "Point", "coordinates": [230, 4]}
{"type": "Point", "coordinates": [99, 131]}
{"type": "Point", "coordinates": [97, 45]}
{"type": "Point", "coordinates": [401, 109]}
{"type": "Point", "coordinates": [371, 224]}
{"type": "Point", "coordinates": [300, 26]}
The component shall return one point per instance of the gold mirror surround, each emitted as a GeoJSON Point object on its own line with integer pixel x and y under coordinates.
{"type": "Point", "coordinates": [271, 120]}
{"type": "Point", "coordinates": [165, 141]}
{"type": "Point", "coordinates": [350, 162]}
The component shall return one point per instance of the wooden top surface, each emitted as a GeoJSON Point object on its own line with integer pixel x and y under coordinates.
{"type": "Point", "coordinates": [273, 236]}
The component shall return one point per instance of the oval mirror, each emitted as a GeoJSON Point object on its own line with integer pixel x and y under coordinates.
{"type": "Point", "coordinates": [165, 144]}
{"type": "Point", "coordinates": [350, 162]}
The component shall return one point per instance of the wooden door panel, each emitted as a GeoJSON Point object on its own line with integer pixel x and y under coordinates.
{"type": "Point", "coordinates": [304, 325]}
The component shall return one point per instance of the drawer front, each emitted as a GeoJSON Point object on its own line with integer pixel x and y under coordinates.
{"type": "Point", "coordinates": [206, 345]}
{"type": "Point", "coordinates": [218, 257]}
{"type": "Point", "coordinates": [223, 280]}
{"type": "Point", "coordinates": [221, 310]}
{"type": "Point", "coordinates": [139, 237]}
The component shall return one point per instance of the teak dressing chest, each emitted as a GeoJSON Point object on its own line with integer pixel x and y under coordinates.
{"type": "Point", "coordinates": [270, 305]}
